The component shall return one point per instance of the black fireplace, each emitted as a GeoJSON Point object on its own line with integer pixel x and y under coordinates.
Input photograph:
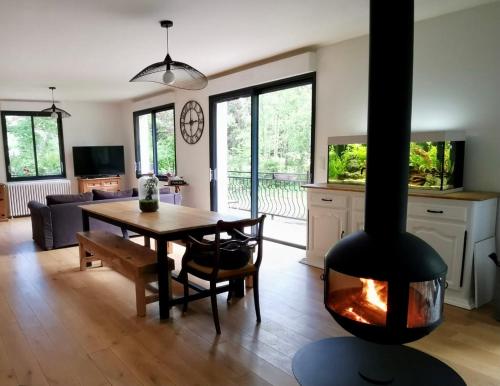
{"type": "Point", "coordinates": [383, 284]}
{"type": "Point", "coordinates": [385, 290]}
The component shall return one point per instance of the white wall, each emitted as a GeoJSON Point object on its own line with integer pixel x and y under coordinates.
{"type": "Point", "coordinates": [89, 124]}
{"type": "Point", "coordinates": [193, 160]}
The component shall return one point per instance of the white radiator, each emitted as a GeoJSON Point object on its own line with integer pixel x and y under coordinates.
{"type": "Point", "coordinates": [20, 193]}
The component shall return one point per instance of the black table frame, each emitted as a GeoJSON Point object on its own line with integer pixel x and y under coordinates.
{"type": "Point", "coordinates": [165, 276]}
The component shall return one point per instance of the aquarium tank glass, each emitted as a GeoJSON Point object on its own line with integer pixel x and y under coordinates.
{"type": "Point", "coordinates": [434, 165]}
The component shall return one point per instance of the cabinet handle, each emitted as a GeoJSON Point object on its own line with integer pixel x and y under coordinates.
{"type": "Point", "coordinates": [463, 260]}
{"type": "Point", "coordinates": [327, 199]}
{"type": "Point", "coordinates": [434, 211]}
{"type": "Point", "coordinates": [342, 235]}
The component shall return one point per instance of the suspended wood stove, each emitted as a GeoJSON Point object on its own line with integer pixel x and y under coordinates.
{"type": "Point", "coordinates": [383, 284]}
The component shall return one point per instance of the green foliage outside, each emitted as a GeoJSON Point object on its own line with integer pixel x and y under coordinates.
{"type": "Point", "coordinates": [284, 131]}
{"type": "Point", "coordinates": [165, 138]}
{"type": "Point", "coordinates": [165, 142]}
{"type": "Point", "coordinates": [238, 135]}
{"type": "Point", "coordinates": [21, 147]}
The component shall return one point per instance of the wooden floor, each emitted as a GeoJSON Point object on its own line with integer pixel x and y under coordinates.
{"type": "Point", "coordinates": [60, 326]}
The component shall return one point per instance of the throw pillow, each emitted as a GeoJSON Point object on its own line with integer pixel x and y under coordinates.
{"type": "Point", "coordinates": [103, 195]}
{"type": "Point", "coordinates": [55, 199]}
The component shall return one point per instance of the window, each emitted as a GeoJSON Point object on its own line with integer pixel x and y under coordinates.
{"type": "Point", "coordinates": [33, 144]}
{"type": "Point", "coordinates": [154, 131]}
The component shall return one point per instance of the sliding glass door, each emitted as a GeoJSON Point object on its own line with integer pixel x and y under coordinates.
{"type": "Point", "coordinates": [261, 154]}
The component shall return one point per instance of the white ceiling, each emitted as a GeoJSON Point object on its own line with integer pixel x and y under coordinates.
{"type": "Point", "coordinates": [89, 49]}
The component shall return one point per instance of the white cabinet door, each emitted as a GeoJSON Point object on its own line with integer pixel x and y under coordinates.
{"type": "Point", "coordinates": [326, 227]}
{"type": "Point", "coordinates": [357, 221]}
{"type": "Point", "coordinates": [447, 239]}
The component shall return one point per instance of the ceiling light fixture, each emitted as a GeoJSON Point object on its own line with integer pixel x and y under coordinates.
{"type": "Point", "coordinates": [172, 73]}
{"type": "Point", "coordinates": [53, 110]}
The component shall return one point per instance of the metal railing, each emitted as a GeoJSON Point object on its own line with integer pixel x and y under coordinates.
{"type": "Point", "coordinates": [280, 194]}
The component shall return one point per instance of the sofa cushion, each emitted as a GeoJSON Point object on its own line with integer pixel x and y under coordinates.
{"type": "Point", "coordinates": [165, 190]}
{"type": "Point", "coordinates": [55, 199]}
{"type": "Point", "coordinates": [103, 195]}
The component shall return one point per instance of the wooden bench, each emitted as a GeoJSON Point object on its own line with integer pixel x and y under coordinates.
{"type": "Point", "coordinates": [132, 260]}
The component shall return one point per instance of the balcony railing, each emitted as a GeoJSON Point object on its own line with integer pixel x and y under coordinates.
{"type": "Point", "coordinates": [280, 194]}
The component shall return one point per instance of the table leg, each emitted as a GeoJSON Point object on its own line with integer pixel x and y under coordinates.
{"type": "Point", "coordinates": [147, 241]}
{"type": "Point", "coordinates": [164, 279]}
{"type": "Point", "coordinates": [86, 228]}
{"type": "Point", "coordinates": [85, 221]}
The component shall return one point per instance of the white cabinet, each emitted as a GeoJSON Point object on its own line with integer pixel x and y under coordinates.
{"type": "Point", "coordinates": [326, 227]}
{"type": "Point", "coordinates": [326, 224]}
{"type": "Point", "coordinates": [451, 225]}
{"type": "Point", "coordinates": [448, 240]}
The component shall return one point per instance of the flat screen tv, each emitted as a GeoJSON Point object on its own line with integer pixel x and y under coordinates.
{"type": "Point", "coordinates": [92, 161]}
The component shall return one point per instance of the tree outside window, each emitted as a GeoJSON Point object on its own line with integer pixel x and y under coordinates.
{"type": "Point", "coordinates": [33, 145]}
{"type": "Point", "coordinates": [155, 141]}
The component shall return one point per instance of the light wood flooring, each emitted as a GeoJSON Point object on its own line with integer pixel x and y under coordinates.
{"type": "Point", "coordinates": [60, 326]}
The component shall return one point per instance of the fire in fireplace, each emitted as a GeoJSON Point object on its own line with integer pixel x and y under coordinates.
{"type": "Point", "coordinates": [385, 289]}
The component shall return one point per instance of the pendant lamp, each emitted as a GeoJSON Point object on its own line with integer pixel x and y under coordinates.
{"type": "Point", "coordinates": [172, 73]}
{"type": "Point", "coordinates": [53, 110]}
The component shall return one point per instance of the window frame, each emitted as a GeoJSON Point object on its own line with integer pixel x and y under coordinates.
{"type": "Point", "coordinates": [60, 136]}
{"type": "Point", "coordinates": [152, 111]}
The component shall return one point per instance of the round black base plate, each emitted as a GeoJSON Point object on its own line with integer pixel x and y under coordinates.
{"type": "Point", "coordinates": [349, 361]}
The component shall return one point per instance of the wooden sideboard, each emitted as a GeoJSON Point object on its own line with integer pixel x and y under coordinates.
{"type": "Point", "coordinates": [4, 203]}
{"type": "Point", "coordinates": [452, 223]}
{"type": "Point", "coordinates": [109, 184]}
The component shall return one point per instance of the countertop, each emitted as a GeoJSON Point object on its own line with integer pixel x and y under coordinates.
{"type": "Point", "coordinates": [463, 195]}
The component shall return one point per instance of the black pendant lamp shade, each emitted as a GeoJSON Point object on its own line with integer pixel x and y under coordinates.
{"type": "Point", "coordinates": [55, 111]}
{"type": "Point", "coordinates": [172, 73]}
{"type": "Point", "coordinates": [383, 284]}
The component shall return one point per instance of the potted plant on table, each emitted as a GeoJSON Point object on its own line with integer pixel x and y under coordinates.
{"type": "Point", "coordinates": [148, 193]}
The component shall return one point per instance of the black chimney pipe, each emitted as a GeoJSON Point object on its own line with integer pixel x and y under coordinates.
{"type": "Point", "coordinates": [389, 116]}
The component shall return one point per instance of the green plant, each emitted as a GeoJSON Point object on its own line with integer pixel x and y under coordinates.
{"type": "Point", "coordinates": [150, 187]}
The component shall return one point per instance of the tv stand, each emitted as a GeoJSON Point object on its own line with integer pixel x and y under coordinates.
{"type": "Point", "coordinates": [109, 184]}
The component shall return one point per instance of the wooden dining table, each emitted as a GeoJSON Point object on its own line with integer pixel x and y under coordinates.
{"type": "Point", "coordinates": [169, 223]}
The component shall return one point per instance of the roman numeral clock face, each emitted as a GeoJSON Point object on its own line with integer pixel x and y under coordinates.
{"type": "Point", "coordinates": [192, 122]}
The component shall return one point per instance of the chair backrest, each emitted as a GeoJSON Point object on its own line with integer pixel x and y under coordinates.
{"type": "Point", "coordinates": [239, 242]}
{"type": "Point", "coordinates": [239, 239]}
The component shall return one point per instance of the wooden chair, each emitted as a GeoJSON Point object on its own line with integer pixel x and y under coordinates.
{"type": "Point", "coordinates": [211, 260]}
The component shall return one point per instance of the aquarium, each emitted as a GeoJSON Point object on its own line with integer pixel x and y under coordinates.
{"type": "Point", "coordinates": [435, 162]}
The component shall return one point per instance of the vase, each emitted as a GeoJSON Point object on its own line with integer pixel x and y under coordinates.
{"type": "Point", "coordinates": [149, 194]}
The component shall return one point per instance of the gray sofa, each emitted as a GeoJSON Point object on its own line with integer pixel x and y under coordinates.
{"type": "Point", "coordinates": [55, 226]}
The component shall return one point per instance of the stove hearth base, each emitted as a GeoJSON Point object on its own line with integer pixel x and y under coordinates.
{"type": "Point", "coordinates": [350, 361]}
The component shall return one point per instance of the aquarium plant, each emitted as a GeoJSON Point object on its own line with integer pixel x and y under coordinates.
{"type": "Point", "coordinates": [347, 163]}
{"type": "Point", "coordinates": [148, 193]}
{"type": "Point", "coordinates": [432, 165]}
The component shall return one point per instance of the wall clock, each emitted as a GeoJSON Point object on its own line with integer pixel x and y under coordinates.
{"type": "Point", "coordinates": [192, 122]}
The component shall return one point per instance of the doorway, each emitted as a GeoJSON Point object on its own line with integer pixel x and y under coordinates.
{"type": "Point", "coordinates": [261, 153]}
